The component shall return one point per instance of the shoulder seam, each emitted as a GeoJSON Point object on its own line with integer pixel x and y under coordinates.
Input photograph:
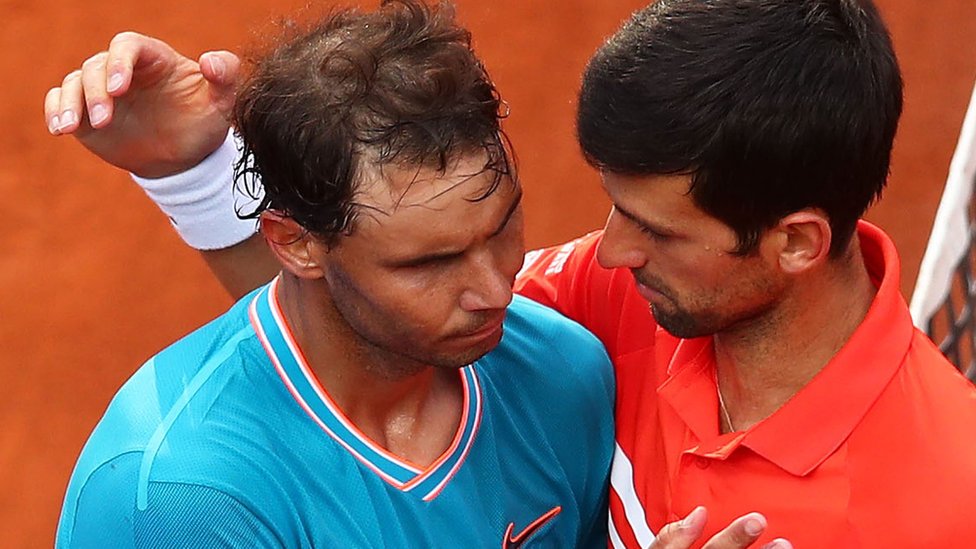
{"type": "Point", "coordinates": [84, 484]}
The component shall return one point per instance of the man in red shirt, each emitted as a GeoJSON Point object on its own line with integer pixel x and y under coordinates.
{"type": "Point", "coordinates": [740, 142]}
{"type": "Point", "coordinates": [873, 450]}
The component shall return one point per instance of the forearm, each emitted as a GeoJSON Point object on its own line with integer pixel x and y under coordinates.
{"type": "Point", "coordinates": [202, 204]}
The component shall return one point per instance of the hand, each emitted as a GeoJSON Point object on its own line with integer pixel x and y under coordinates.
{"type": "Point", "coordinates": [740, 534]}
{"type": "Point", "coordinates": [145, 108]}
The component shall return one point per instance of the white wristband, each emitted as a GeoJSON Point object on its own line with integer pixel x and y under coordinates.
{"type": "Point", "coordinates": [201, 202]}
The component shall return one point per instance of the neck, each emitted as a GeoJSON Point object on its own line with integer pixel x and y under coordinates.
{"type": "Point", "coordinates": [761, 364]}
{"type": "Point", "coordinates": [400, 404]}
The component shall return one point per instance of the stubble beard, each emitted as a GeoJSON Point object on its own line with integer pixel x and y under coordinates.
{"type": "Point", "coordinates": [675, 320]}
{"type": "Point", "coordinates": [679, 323]}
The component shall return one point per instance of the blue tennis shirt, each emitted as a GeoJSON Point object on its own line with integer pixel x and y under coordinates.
{"type": "Point", "coordinates": [225, 439]}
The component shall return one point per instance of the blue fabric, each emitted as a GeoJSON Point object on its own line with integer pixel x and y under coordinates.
{"type": "Point", "coordinates": [206, 447]}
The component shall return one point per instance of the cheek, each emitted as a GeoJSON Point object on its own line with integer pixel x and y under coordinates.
{"type": "Point", "coordinates": [512, 258]}
{"type": "Point", "coordinates": [419, 303]}
{"type": "Point", "coordinates": [744, 285]}
{"type": "Point", "coordinates": [509, 247]}
{"type": "Point", "coordinates": [382, 299]}
{"type": "Point", "coordinates": [682, 263]}
{"type": "Point", "coordinates": [699, 277]}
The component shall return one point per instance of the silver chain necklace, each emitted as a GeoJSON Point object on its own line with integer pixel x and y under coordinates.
{"type": "Point", "coordinates": [721, 406]}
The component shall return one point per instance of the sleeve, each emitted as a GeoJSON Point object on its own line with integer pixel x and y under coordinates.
{"type": "Point", "coordinates": [569, 279]}
{"type": "Point", "coordinates": [181, 515]}
{"type": "Point", "coordinates": [178, 514]}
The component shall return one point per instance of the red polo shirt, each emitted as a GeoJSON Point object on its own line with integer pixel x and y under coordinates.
{"type": "Point", "coordinates": [878, 450]}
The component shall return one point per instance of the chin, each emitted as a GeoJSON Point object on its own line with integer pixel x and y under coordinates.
{"type": "Point", "coordinates": [680, 324]}
{"type": "Point", "coordinates": [470, 352]}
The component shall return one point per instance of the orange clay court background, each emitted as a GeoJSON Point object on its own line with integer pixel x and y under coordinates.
{"type": "Point", "coordinates": [94, 281]}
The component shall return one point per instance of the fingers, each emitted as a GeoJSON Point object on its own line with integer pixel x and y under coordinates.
{"type": "Point", "coordinates": [741, 533]}
{"type": "Point", "coordinates": [63, 105]}
{"type": "Point", "coordinates": [109, 74]}
{"type": "Point", "coordinates": [81, 92]}
{"type": "Point", "coordinates": [682, 534]}
{"type": "Point", "coordinates": [222, 70]}
{"type": "Point", "coordinates": [102, 77]}
{"type": "Point", "coordinates": [52, 104]}
{"type": "Point", "coordinates": [126, 51]}
{"type": "Point", "coordinates": [93, 83]}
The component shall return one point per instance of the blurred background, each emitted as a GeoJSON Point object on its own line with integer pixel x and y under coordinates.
{"type": "Point", "coordinates": [94, 281]}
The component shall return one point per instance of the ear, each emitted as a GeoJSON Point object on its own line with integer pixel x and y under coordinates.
{"type": "Point", "coordinates": [298, 251]}
{"type": "Point", "coordinates": [802, 240]}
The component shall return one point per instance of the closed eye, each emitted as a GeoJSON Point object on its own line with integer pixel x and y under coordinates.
{"type": "Point", "coordinates": [445, 257]}
{"type": "Point", "coordinates": [645, 228]}
{"type": "Point", "coordinates": [652, 233]}
{"type": "Point", "coordinates": [431, 260]}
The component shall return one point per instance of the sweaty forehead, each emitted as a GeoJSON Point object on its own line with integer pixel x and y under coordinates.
{"type": "Point", "coordinates": [395, 189]}
{"type": "Point", "coordinates": [419, 207]}
{"type": "Point", "coordinates": [659, 196]}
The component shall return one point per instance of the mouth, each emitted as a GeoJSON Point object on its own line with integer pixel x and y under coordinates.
{"type": "Point", "coordinates": [649, 293]}
{"type": "Point", "coordinates": [486, 330]}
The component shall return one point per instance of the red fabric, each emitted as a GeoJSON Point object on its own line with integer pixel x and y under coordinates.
{"type": "Point", "coordinates": [879, 450]}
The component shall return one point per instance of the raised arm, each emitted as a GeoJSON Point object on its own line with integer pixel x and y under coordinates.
{"type": "Point", "coordinates": [143, 107]}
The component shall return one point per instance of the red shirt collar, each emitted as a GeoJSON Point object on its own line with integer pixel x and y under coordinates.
{"type": "Point", "coordinates": [817, 420]}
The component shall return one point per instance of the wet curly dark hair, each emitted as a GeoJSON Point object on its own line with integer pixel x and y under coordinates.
{"type": "Point", "coordinates": [355, 91]}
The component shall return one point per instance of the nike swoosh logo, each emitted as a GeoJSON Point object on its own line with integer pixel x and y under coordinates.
{"type": "Point", "coordinates": [515, 541]}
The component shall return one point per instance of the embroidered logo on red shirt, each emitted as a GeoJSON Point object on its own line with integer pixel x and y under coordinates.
{"type": "Point", "coordinates": [515, 541]}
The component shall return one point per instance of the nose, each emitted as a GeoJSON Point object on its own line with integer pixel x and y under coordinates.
{"type": "Point", "coordinates": [489, 285]}
{"type": "Point", "coordinates": [622, 244]}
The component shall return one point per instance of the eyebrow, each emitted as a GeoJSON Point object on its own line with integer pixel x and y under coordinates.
{"type": "Point", "coordinates": [435, 256]}
{"type": "Point", "coordinates": [509, 213]}
{"type": "Point", "coordinates": [633, 218]}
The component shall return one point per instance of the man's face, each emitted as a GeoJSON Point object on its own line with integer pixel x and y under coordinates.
{"type": "Point", "coordinates": [428, 276]}
{"type": "Point", "coordinates": [681, 258]}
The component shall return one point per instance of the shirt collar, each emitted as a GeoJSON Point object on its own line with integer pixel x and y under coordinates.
{"type": "Point", "coordinates": [817, 420]}
{"type": "Point", "coordinates": [296, 374]}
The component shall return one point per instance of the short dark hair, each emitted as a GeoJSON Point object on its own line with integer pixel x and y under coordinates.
{"type": "Point", "coordinates": [399, 86]}
{"type": "Point", "coordinates": [771, 106]}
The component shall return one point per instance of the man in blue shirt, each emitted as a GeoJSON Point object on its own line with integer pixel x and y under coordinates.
{"type": "Point", "coordinates": [227, 438]}
{"type": "Point", "coordinates": [384, 390]}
